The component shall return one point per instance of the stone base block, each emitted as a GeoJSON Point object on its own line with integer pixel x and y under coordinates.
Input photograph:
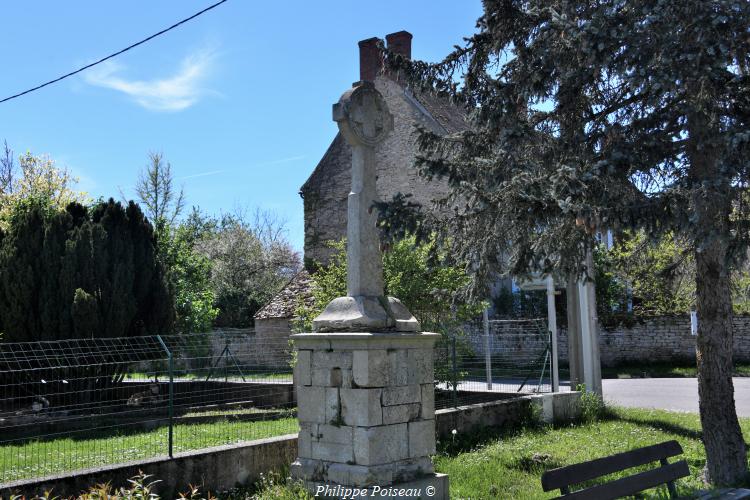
{"type": "Point", "coordinates": [361, 476]}
{"type": "Point", "coordinates": [429, 487]}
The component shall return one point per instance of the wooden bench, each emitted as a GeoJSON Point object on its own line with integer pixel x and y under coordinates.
{"type": "Point", "coordinates": [563, 477]}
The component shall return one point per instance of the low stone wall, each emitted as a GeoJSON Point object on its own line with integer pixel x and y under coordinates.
{"type": "Point", "coordinates": [655, 339]}
{"type": "Point", "coordinates": [553, 407]}
{"type": "Point", "coordinates": [224, 467]}
{"type": "Point", "coordinates": [213, 469]}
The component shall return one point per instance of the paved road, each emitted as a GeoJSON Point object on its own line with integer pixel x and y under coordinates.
{"type": "Point", "coordinates": [680, 394]}
{"type": "Point", "coordinates": [677, 394]}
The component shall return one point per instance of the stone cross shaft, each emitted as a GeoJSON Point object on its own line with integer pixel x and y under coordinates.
{"type": "Point", "coordinates": [364, 264]}
{"type": "Point", "coordinates": [364, 121]}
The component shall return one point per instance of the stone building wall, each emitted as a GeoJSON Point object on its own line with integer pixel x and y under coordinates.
{"type": "Point", "coordinates": [657, 339]}
{"type": "Point", "coordinates": [325, 192]}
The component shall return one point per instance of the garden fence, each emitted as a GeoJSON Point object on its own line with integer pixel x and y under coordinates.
{"type": "Point", "coordinates": [75, 404]}
{"type": "Point", "coordinates": [500, 359]}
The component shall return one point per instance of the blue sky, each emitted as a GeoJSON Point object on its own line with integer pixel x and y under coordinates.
{"type": "Point", "coordinates": [238, 100]}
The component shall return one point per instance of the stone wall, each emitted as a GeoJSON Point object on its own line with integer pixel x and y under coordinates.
{"type": "Point", "coordinates": [657, 339]}
{"type": "Point", "coordinates": [264, 347]}
{"type": "Point", "coordinates": [366, 408]}
{"type": "Point", "coordinates": [325, 192]}
{"type": "Point", "coordinates": [212, 469]}
{"type": "Point", "coordinates": [223, 467]}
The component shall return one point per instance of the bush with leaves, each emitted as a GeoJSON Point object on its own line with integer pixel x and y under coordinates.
{"type": "Point", "coordinates": [251, 260]}
{"type": "Point", "coordinates": [414, 273]}
{"type": "Point", "coordinates": [34, 177]}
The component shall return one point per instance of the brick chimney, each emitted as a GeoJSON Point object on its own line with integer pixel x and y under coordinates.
{"type": "Point", "coordinates": [400, 43]}
{"type": "Point", "coordinates": [370, 59]}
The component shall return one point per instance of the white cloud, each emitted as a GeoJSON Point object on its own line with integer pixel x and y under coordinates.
{"type": "Point", "coordinates": [173, 93]}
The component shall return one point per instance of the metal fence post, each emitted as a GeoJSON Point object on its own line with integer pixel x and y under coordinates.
{"type": "Point", "coordinates": [170, 363]}
{"type": "Point", "coordinates": [455, 370]}
{"type": "Point", "coordinates": [487, 349]}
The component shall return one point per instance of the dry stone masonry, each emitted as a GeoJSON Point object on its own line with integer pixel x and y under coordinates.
{"type": "Point", "coordinates": [366, 407]}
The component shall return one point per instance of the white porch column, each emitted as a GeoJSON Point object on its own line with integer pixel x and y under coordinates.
{"type": "Point", "coordinates": [552, 327]}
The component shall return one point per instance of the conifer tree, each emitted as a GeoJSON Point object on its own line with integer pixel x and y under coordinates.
{"type": "Point", "coordinates": [598, 115]}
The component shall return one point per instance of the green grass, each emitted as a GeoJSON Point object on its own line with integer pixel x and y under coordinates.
{"type": "Point", "coordinates": [664, 370]}
{"type": "Point", "coordinates": [509, 464]}
{"type": "Point", "coordinates": [111, 446]}
{"type": "Point", "coordinates": [217, 376]}
{"type": "Point", "coordinates": [489, 464]}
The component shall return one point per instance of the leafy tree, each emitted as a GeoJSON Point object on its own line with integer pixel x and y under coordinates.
{"type": "Point", "coordinates": [422, 280]}
{"type": "Point", "coordinates": [190, 275]}
{"type": "Point", "coordinates": [188, 271]}
{"type": "Point", "coordinates": [34, 177]}
{"type": "Point", "coordinates": [251, 260]}
{"type": "Point", "coordinates": [604, 115]}
{"type": "Point", "coordinates": [657, 277]}
{"type": "Point", "coordinates": [155, 190]}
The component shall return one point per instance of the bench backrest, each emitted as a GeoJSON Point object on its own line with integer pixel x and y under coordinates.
{"type": "Point", "coordinates": [564, 477]}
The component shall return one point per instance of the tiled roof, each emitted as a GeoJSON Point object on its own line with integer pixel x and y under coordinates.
{"type": "Point", "coordinates": [285, 303]}
{"type": "Point", "coordinates": [450, 116]}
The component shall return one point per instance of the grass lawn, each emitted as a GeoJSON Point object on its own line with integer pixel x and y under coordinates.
{"type": "Point", "coordinates": [110, 446]}
{"type": "Point", "coordinates": [218, 376]}
{"type": "Point", "coordinates": [664, 370]}
{"type": "Point", "coordinates": [509, 465]}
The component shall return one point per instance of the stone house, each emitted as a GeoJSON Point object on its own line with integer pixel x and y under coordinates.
{"type": "Point", "coordinates": [325, 191]}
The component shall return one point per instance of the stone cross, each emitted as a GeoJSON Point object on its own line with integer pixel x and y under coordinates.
{"type": "Point", "coordinates": [364, 120]}
{"type": "Point", "coordinates": [364, 378]}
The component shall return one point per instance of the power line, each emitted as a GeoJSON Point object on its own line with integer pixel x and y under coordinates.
{"type": "Point", "coordinates": [115, 54]}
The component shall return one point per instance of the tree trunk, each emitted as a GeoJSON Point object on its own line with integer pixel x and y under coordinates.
{"type": "Point", "coordinates": [726, 456]}
{"type": "Point", "coordinates": [726, 461]}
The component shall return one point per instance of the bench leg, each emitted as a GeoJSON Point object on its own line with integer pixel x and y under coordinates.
{"type": "Point", "coordinates": [670, 484]}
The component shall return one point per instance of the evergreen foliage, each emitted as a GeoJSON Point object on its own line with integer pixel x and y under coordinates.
{"type": "Point", "coordinates": [587, 116]}
{"type": "Point", "coordinates": [81, 273]}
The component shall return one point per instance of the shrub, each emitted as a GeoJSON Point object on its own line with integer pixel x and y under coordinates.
{"type": "Point", "coordinates": [592, 405]}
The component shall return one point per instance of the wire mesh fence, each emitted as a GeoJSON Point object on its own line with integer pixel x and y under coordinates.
{"type": "Point", "coordinates": [74, 404]}
{"type": "Point", "coordinates": [508, 358]}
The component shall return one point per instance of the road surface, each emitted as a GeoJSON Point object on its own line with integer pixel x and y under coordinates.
{"type": "Point", "coordinates": [677, 394]}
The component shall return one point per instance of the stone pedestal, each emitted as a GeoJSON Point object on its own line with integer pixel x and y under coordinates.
{"type": "Point", "coordinates": [366, 410]}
